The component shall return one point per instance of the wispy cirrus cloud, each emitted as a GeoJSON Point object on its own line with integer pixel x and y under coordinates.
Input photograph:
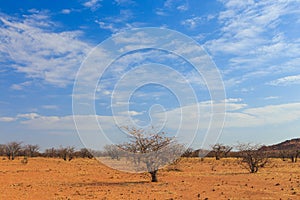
{"type": "Point", "coordinates": [254, 37]}
{"type": "Point", "coordinates": [284, 81]}
{"type": "Point", "coordinates": [271, 97]}
{"type": "Point", "coordinates": [30, 45]}
{"type": "Point", "coordinates": [196, 21]}
{"type": "Point", "coordinates": [20, 86]}
{"type": "Point", "coordinates": [172, 5]}
{"type": "Point", "coordinates": [178, 5]}
{"type": "Point", "coordinates": [124, 2]}
{"type": "Point", "coordinates": [118, 23]}
{"type": "Point", "coordinates": [192, 22]}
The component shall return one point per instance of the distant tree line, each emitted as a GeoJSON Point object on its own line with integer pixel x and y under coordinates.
{"type": "Point", "coordinates": [13, 149]}
{"type": "Point", "coordinates": [219, 151]}
{"type": "Point", "coordinates": [252, 157]}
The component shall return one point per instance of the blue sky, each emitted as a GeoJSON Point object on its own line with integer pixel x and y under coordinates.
{"type": "Point", "coordinates": [254, 44]}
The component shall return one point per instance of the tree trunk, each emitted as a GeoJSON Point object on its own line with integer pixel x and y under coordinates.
{"type": "Point", "coordinates": [153, 176]}
{"type": "Point", "coordinates": [292, 158]}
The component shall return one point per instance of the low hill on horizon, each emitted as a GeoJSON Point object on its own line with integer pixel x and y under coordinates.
{"type": "Point", "coordinates": [275, 150]}
{"type": "Point", "coordinates": [292, 144]}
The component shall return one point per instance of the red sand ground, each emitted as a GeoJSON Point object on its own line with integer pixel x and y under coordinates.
{"type": "Point", "coordinates": [56, 179]}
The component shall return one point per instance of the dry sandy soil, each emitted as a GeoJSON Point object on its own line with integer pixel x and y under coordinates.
{"type": "Point", "coordinates": [43, 178]}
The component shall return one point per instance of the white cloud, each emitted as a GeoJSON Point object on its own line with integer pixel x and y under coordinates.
{"type": "Point", "coordinates": [88, 127]}
{"type": "Point", "coordinates": [271, 97]}
{"type": "Point", "coordinates": [66, 11]}
{"type": "Point", "coordinates": [245, 22]}
{"type": "Point", "coordinates": [236, 4]}
{"type": "Point", "coordinates": [161, 12]}
{"type": "Point", "coordinates": [264, 116]}
{"type": "Point", "coordinates": [28, 116]}
{"type": "Point", "coordinates": [192, 22]}
{"type": "Point", "coordinates": [20, 86]}
{"type": "Point", "coordinates": [7, 119]}
{"type": "Point", "coordinates": [118, 23]}
{"type": "Point", "coordinates": [31, 46]}
{"type": "Point", "coordinates": [50, 107]}
{"type": "Point", "coordinates": [183, 7]}
{"type": "Point", "coordinates": [178, 5]}
{"type": "Point", "coordinates": [233, 100]}
{"type": "Point", "coordinates": [124, 2]}
{"type": "Point", "coordinates": [92, 4]}
{"type": "Point", "coordinates": [238, 115]}
{"type": "Point", "coordinates": [131, 113]}
{"type": "Point", "coordinates": [255, 38]}
{"type": "Point", "coordinates": [196, 21]}
{"type": "Point", "coordinates": [288, 80]}
{"type": "Point", "coordinates": [107, 26]}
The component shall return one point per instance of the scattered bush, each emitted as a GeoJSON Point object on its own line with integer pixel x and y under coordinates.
{"type": "Point", "coordinates": [152, 149]}
{"type": "Point", "coordinates": [253, 157]}
{"type": "Point", "coordinates": [220, 150]}
{"type": "Point", "coordinates": [12, 149]}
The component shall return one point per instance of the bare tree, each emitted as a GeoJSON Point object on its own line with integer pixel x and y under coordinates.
{"type": "Point", "coordinates": [85, 153]}
{"type": "Point", "coordinates": [31, 150]}
{"type": "Point", "coordinates": [12, 149]}
{"type": "Point", "coordinates": [152, 149]}
{"type": "Point", "coordinates": [66, 153]}
{"type": "Point", "coordinates": [252, 156]}
{"type": "Point", "coordinates": [112, 151]}
{"type": "Point", "coordinates": [51, 153]}
{"type": "Point", "coordinates": [293, 155]}
{"type": "Point", "coordinates": [188, 152]}
{"type": "Point", "coordinates": [220, 150]}
{"type": "Point", "coordinates": [2, 149]}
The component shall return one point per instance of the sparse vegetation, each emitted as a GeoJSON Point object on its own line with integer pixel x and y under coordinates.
{"type": "Point", "coordinates": [12, 150]}
{"type": "Point", "coordinates": [66, 153]}
{"type": "Point", "coordinates": [152, 149]}
{"type": "Point", "coordinates": [31, 150]}
{"type": "Point", "coordinates": [273, 180]}
{"type": "Point", "coordinates": [220, 150]}
{"type": "Point", "coordinates": [112, 151]}
{"type": "Point", "coordinates": [52, 178]}
{"type": "Point", "coordinates": [293, 155]}
{"type": "Point", "coordinates": [84, 153]}
{"type": "Point", "coordinates": [253, 157]}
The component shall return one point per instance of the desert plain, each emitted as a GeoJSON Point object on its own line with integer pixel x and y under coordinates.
{"type": "Point", "coordinates": [191, 178]}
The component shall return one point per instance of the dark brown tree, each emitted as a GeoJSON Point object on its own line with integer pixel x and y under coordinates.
{"type": "Point", "coordinates": [252, 157]}
{"type": "Point", "coordinates": [188, 153]}
{"type": "Point", "coordinates": [291, 154]}
{"type": "Point", "coordinates": [51, 153]}
{"type": "Point", "coordinates": [220, 150]}
{"type": "Point", "coordinates": [2, 150]}
{"type": "Point", "coordinates": [85, 153]}
{"type": "Point", "coordinates": [31, 150]}
{"type": "Point", "coordinates": [66, 153]}
{"type": "Point", "coordinates": [12, 149]}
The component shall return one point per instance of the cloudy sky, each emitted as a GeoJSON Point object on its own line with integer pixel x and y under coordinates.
{"type": "Point", "coordinates": [254, 45]}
